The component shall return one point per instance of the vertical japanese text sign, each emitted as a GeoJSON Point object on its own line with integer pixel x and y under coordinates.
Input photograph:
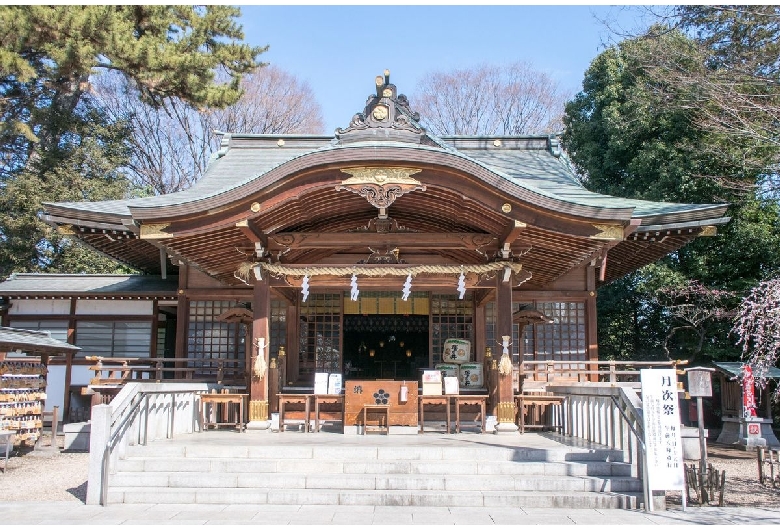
{"type": "Point", "coordinates": [661, 408]}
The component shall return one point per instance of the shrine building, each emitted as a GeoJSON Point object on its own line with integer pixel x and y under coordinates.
{"type": "Point", "coordinates": [362, 254]}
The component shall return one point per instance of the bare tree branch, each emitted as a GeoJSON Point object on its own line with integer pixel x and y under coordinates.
{"type": "Point", "coordinates": [173, 142]}
{"type": "Point", "coordinates": [499, 100]}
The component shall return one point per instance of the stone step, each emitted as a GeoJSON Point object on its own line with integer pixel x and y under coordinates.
{"type": "Point", "coordinates": [431, 467]}
{"type": "Point", "coordinates": [428, 471]}
{"type": "Point", "coordinates": [219, 495]}
{"type": "Point", "coordinates": [352, 453]}
{"type": "Point", "coordinates": [368, 482]}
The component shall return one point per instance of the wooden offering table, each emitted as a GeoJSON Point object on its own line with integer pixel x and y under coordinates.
{"type": "Point", "coordinates": [212, 416]}
{"type": "Point", "coordinates": [327, 399]}
{"type": "Point", "coordinates": [435, 401]}
{"type": "Point", "coordinates": [540, 408]}
{"type": "Point", "coordinates": [359, 394]}
{"type": "Point", "coordinates": [292, 399]}
{"type": "Point", "coordinates": [465, 400]}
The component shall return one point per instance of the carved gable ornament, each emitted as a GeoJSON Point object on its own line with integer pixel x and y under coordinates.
{"type": "Point", "coordinates": [386, 116]}
{"type": "Point", "coordinates": [380, 186]}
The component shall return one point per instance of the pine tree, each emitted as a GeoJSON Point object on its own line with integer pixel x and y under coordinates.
{"type": "Point", "coordinates": [56, 143]}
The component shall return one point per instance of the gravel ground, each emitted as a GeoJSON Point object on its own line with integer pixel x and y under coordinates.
{"type": "Point", "coordinates": [58, 476]}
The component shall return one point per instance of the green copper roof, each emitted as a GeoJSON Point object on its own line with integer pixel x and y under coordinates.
{"type": "Point", "coordinates": [526, 162]}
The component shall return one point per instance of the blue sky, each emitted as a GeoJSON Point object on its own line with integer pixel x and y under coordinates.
{"type": "Point", "coordinates": [340, 49]}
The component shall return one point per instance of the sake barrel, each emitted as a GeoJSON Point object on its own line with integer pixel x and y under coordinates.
{"type": "Point", "coordinates": [456, 351]}
{"type": "Point", "coordinates": [448, 369]}
{"type": "Point", "coordinates": [470, 375]}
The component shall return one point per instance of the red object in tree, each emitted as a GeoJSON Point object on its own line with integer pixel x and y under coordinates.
{"type": "Point", "coordinates": [748, 393]}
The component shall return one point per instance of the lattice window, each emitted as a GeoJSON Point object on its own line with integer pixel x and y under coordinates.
{"type": "Point", "coordinates": [320, 335]}
{"type": "Point", "coordinates": [109, 338]}
{"type": "Point", "coordinates": [207, 338]}
{"type": "Point", "coordinates": [492, 340]}
{"type": "Point", "coordinates": [451, 318]}
{"type": "Point", "coordinates": [564, 340]}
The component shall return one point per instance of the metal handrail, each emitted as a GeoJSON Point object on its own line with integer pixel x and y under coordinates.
{"type": "Point", "coordinates": [116, 434]}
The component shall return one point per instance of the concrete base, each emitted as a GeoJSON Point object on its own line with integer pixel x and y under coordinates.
{"type": "Point", "coordinates": [690, 443]}
{"type": "Point", "coordinates": [258, 425]}
{"type": "Point", "coordinates": [658, 498]}
{"type": "Point", "coordinates": [394, 430]}
{"type": "Point", "coordinates": [506, 428]}
{"type": "Point", "coordinates": [490, 424]}
{"type": "Point", "coordinates": [77, 436]}
{"type": "Point", "coordinates": [735, 432]}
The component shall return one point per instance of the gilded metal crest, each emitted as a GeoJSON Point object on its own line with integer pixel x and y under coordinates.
{"type": "Point", "coordinates": [381, 186]}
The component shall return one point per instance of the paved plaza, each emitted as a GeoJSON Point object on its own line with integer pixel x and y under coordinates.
{"type": "Point", "coordinates": [76, 513]}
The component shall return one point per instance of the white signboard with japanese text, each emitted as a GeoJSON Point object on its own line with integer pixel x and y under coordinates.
{"type": "Point", "coordinates": [661, 408]}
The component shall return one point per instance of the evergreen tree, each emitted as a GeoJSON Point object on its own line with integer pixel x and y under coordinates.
{"type": "Point", "coordinates": [633, 133]}
{"type": "Point", "coordinates": [56, 144]}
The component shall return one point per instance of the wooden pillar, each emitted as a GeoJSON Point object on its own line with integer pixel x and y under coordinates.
{"type": "Point", "coordinates": [506, 396]}
{"type": "Point", "coordinates": [258, 388]}
{"type": "Point", "coordinates": [592, 323]}
{"type": "Point", "coordinates": [291, 368]}
{"type": "Point", "coordinates": [490, 369]}
{"type": "Point", "coordinates": [66, 403]}
{"type": "Point", "coordinates": [273, 385]}
{"type": "Point", "coordinates": [479, 333]}
{"type": "Point", "coordinates": [71, 339]}
{"type": "Point", "coordinates": [182, 314]}
{"type": "Point", "coordinates": [155, 329]}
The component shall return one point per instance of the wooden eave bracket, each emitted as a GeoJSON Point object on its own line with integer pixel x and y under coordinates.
{"type": "Point", "coordinates": [509, 236]}
{"type": "Point", "coordinates": [629, 229]}
{"type": "Point", "coordinates": [255, 236]}
{"type": "Point", "coordinates": [131, 225]}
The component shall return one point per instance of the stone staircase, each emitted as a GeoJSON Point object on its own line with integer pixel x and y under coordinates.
{"type": "Point", "coordinates": [367, 471]}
